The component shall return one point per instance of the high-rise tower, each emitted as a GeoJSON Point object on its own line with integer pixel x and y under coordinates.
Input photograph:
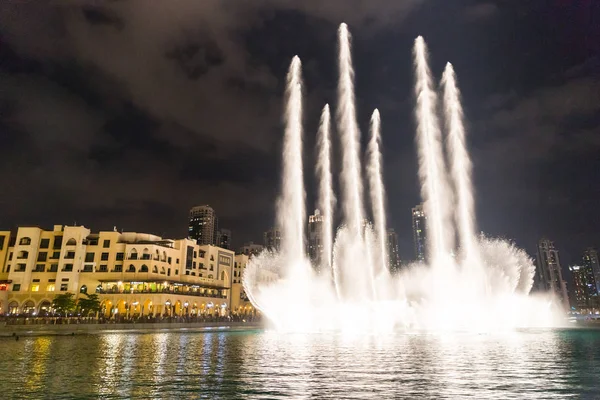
{"type": "Point", "coordinates": [419, 226]}
{"type": "Point", "coordinates": [392, 251]}
{"type": "Point", "coordinates": [224, 239]}
{"type": "Point", "coordinates": [315, 238]}
{"type": "Point", "coordinates": [585, 293]}
{"type": "Point", "coordinates": [272, 239]}
{"type": "Point", "coordinates": [548, 273]}
{"type": "Point", "coordinates": [204, 225]}
{"type": "Point", "coordinates": [590, 260]}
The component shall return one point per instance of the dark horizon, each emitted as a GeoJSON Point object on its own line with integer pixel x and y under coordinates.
{"type": "Point", "coordinates": [128, 114]}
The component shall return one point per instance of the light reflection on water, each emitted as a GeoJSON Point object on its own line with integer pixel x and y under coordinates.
{"type": "Point", "coordinates": [268, 365]}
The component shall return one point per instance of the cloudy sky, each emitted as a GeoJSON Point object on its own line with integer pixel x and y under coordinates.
{"type": "Point", "coordinates": [129, 112]}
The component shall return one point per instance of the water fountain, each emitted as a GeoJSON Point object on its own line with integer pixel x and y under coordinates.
{"type": "Point", "coordinates": [480, 284]}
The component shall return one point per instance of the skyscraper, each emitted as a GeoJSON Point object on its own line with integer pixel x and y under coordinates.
{"type": "Point", "coordinates": [548, 273]}
{"type": "Point", "coordinates": [590, 259]}
{"type": "Point", "coordinates": [224, 239]}
{"type": "Point", "coordinates": [204, 225]}
{"type": "Point", "coordinates": [272, 239]}
{"type": "Point", "coordinates": [584, 293]}
{"type": "Point", "coordinates": [315, 238]}
{"type": "Point", "coordinates": [419, 225]}
{"type": "Point", "coordinates": [392, 250]}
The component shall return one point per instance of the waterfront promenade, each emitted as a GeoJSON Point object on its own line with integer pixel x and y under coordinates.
{"type": "Point", "coordinates": [69, 326]}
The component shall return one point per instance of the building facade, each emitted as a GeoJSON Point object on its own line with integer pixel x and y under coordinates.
{"type": "Point", "coordinates": [590, 260]}
{"type": "Point", "coordinates": [315, 238]}
{"type": "Point", "coordinates": [272, 239]}
{"type": "Point", "coordinates": [392, 251]}
{"type": "Point", "coordinates": [204, 225]}
{"type": "Point", "coordinates": [548, 272]}
{"type": "Point", "coordinates": [585, 293]}
{"type": "Point", "coordinates": [419, 227]}
{"type": "Point", "coordinates": [134, 274]}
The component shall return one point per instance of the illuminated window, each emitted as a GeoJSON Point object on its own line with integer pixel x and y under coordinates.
{"type": "Point", "coordinates": [50, 288]}
{"type": "Point", "coordinates": [35, 288]}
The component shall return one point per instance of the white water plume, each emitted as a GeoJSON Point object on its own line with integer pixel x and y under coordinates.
{"type": "Point", "coordinates": [350, 137]}
{"type": "Point", "coordinates": [431, 158]}
{"type": "Point", "coordinates": [291, 212]}
{"type": "Point", "coordinates": [326, 197]}
{"type": "Point", "coordinates": [377, 192]}
{"type": "Point", "coordinates": [485, 292]}
{"type": "Point", "coordinates": [460, 165]}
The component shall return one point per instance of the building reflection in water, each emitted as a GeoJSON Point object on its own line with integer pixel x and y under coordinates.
{"type": "Point", "coordinates": [224, 365]}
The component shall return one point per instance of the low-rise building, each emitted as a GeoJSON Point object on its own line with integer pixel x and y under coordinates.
{"type": "Point", "coordinates": [134, 274]}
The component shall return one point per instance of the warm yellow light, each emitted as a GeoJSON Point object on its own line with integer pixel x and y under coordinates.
{"type": "Point", "coordinates": [35, 288]}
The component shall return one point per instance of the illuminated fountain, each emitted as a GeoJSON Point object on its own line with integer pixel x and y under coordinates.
{"type": "Point", "coordinates": [476, 284]}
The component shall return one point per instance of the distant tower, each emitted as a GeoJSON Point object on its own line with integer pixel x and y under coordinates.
{"type": "Point", "coordinates": [251, 249]}
{"type": "Point", "coordinates": [272, 239]}
{"type": "Point", "coordinates": [548, 274]}
{"type": "Point", "coordinates": [585, 293]}
{"type": "Point", "coordinates": [419, 225]}
{"type": "Point", "coordinates": [204, 225]}
{"type": "Point", "coordinates": [315, 238]}
{"type": "Point", "coordinates": [224, 239]}
{"type": "Point", "coordinates": [392, 250]}
{"type": "Point", "coordinates": [590, 260]}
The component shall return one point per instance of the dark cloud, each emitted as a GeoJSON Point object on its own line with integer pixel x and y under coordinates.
{"type": "Point", "coordinates": [480, 12]}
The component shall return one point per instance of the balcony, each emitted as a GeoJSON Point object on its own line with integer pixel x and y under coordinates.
{"type": "Point", "coordinates": [162, 291]}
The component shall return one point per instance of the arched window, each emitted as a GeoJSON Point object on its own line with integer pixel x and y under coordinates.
{"type": "Point", "coordinates": [144, 268]}
{"type": "Point", "coordinates": [162, 271]}
{"type": "Point", "coordinates": [28, 307]}
{"type": "Point", "coordinates": [71, 242]}
{"type": "Point", "coordinates": [210, 277]}
{"type": "Point", "coordinates": [155, 269]}
{"type": "Point", "coordinates": [133, 255]}
{"type": "Point", "coordinates": [99, 288]}
{"type": "Point", "coordinates": [83, 289]}
{"type": "Point", "coordinates": [45, 307]}
{"type": "Point", "coordinates": [131, 268]}
{"type": "Point", "coordinates": [13, 307]}
{"type": "Point", "coordinates": [146, 254]}
{"type": "Point", "coordinates": [25, 241]}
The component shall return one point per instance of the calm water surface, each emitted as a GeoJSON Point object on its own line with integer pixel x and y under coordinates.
{"type": "Point", "coordinates": [263, 365]}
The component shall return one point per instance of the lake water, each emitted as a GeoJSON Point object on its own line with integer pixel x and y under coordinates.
{"type": "Point", "coordinates": [218, 364]}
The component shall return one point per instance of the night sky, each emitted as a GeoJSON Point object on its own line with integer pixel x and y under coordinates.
{"type": "Point", "coordinates": [127, 113]}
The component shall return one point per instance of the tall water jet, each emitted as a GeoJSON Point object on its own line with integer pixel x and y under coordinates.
{"type": "Point", "coordinates": [326, 198]}
{"type": "Point", "coordinates": [350, 137]}
{"type": "Point", "coordinates": [376, 190]}
{"type": "Point", "coordinates": [291, 211]}
{"type": "Point", "coordinates": [431, 158]}
{"type": "Point", "coordinates": [460, 165]}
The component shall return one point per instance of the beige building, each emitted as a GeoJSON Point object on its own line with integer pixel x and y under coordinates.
{"type": "Point", "coordinates": [134, 274]}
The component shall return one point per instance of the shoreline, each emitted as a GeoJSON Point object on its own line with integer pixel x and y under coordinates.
{"type": "Point", "coordinates": [138, 327]}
